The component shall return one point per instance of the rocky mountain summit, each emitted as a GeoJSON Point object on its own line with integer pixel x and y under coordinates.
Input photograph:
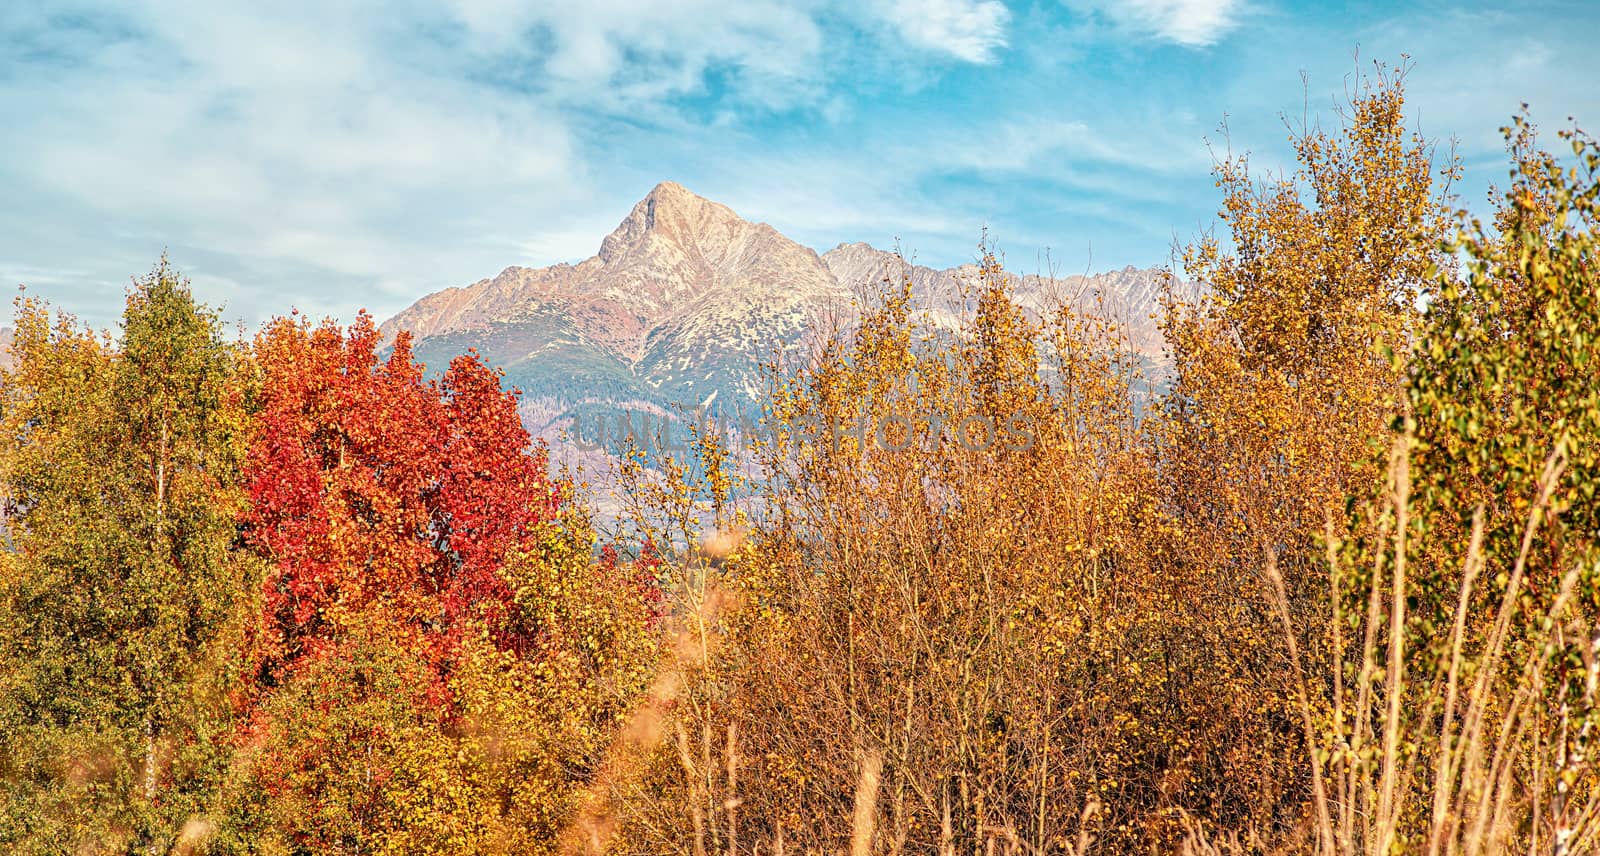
{"type": "Point", "coordinates": [681, 304]}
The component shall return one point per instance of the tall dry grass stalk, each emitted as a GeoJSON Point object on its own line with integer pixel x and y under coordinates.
{"type": "Point", "coordinates": [690, 641]}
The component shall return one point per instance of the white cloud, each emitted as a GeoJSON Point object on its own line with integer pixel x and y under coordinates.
{"type": "Point", "coordinates": [969, 30]}
{"type": "Point", "coordinates": [627, 53]}
{"type": "Point", "coordinates": [17, 274]}
{"type": "Point", "coordinates": [1191, 23]}
{"type": "Point", "coordinates": [275, 138]}
{"type": "Point", "coordinates": [1148, 143]}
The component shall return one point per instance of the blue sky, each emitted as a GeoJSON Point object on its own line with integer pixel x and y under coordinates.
{"type": "Point", "coordinates": [329, 157]}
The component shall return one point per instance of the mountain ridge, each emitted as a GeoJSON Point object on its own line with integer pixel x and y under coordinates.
{"type": "Point", "coordinates": [685, 300]}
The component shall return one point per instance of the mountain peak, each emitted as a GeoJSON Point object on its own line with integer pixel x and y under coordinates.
{"type": "Point", "coordinates": [671, 213]}
{"type": "Point", "coordinates": [671, 190]}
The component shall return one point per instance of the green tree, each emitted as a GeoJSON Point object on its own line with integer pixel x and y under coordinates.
{"type": "Point", "coordinates": [1505, 375]}
{"type": "Point", "coordinates": [123, 594]}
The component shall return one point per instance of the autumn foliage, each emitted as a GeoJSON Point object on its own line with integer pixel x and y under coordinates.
{"type": "Point", "coordinates": [1326, 580]}
{"type": "Point", "coordinates": [374, 490]}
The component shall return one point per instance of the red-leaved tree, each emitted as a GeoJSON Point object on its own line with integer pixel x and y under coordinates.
{"type": "Point", "coordinates": [380, 495]}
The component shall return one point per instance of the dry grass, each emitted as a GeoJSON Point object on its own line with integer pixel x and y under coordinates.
{"type": "Point", "coordinates": [1464, 757]}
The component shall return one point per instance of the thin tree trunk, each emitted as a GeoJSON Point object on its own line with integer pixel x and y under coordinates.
{"type": "Point", "coordinates": [149, 760]}
{"type": "Point", "coordinates": [866, 815]}
{"type": "Point", "coordinates": [732, 803]}
{"type": "Point", "coordinates": [161, 473]}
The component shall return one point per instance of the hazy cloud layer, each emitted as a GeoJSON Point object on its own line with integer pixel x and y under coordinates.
{"type": "Point", "coordinates": [321, 156]}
